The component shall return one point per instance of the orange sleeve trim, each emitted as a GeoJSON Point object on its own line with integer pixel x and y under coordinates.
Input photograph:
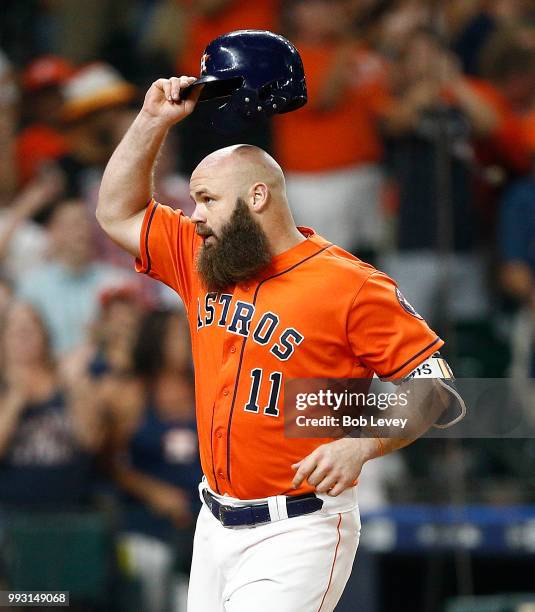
{"type": "Point", "coordinates": [143, 263]}
{"type": "Point", "coordinates": [424, 353]}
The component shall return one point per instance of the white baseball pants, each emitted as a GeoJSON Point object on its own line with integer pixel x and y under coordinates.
{"type": "Point", "coordinates": [299, 564]}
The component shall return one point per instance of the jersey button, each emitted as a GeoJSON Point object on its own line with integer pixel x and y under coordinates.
{"type": "Point", "coordinates": [219, 434]}
{"type": "Point", "coordinates": [221, 475]}
{"type": "Point", "coordinates": [225, 392]}
{"type": "Point", "coordinates": [232, 349]}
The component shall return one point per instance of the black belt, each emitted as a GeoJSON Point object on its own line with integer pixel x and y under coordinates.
{"type": "Point", "coordinates": [241, 516]}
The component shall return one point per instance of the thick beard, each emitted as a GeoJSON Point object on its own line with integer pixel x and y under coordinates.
{"type": "Point", "coordinates": [239, 253]}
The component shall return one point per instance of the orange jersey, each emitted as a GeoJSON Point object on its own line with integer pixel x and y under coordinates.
{"type": "Point", "coordinates": [315, 312]}
{"type": "Point", "coordinates": [528, 124]}
{"type": "Point", "coordinates": [508, 144]}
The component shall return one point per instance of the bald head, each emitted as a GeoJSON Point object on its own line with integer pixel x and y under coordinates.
{"type": "Point", "coordinates": [241, 166]}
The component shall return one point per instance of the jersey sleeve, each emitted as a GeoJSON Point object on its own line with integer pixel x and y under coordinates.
{"type": "Point", "coordinates": [385, 332]}
{"type": "Point", "coordinates": [167, 243]}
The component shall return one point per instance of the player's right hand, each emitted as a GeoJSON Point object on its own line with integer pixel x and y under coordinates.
{"type": "Point", "coordinates": [163, 101]}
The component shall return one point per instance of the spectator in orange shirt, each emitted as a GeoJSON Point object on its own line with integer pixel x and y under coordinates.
{"type": "Point", "coordinates": [508, 66]}
{"type": "Point", "coordinates": [428, 76]}
{"type": "Point", "coordinates": [42, 140]}
{"type": "Point", "coordinates": [331, 149]}
{"type": "Point", "coordinates": [437, 117]}
{"type": "Point", "coordinates": [483, 134]}
{"type": "Point", "coordinates": [529, 131]}
{"type": "Point", "coordinates": [208, 19]}
{"type": "Point", "coordinates": [525, 35]}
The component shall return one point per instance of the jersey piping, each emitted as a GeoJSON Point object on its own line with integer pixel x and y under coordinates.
{"type": "Point", "coordinates": [243, 349]}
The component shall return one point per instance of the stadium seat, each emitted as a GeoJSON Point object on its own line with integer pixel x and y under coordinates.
{"type": "Point", "coordinates": [60, 552]}
{"type": "Point", "coordinates": [494, 603]}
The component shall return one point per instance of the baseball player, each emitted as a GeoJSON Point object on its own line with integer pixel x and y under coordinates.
{"type": "Point", "coordinates": [266, 301]}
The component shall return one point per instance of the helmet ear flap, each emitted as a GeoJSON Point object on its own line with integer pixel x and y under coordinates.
{"type": "Point", "coordinates": [229, 120]}
{"type": "Point", "coordinates": [278, 99]}
{"type": "Point", "coordinates": [247, 103]}
{"type": "Point", "coordinates": [293, 102]}
{"type": "Point", "coordinates": [277, 103]}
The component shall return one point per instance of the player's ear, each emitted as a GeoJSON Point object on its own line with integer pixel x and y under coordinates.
{"type": "Point", "coordinates": [260, 194]}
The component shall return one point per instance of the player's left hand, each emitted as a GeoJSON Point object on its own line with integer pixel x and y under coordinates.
{"type": "Point", "coordinates": [331, 468]}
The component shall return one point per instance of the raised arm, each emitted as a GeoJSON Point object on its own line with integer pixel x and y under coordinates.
{"type": "Point", "coordinates": [126, 186]}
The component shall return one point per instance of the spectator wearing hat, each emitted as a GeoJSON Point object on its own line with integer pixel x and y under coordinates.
{"type": "Point", "coordinates": [94, 88]}
{"type": "Point", "coordinates": [23, 243]}
{"type": "Point", "coordinates": [95, 114]}
{"type": "Point", "coordinates": [42, 140]}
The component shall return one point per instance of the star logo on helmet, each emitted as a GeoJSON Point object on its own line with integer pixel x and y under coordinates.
{"type": "Point", "coordinates": [203, 62]}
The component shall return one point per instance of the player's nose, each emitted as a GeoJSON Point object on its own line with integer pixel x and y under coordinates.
{"type": "Point", "coordinates": [198, 215]}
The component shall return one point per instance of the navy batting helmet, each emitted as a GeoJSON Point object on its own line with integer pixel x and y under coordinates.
{"type": "Point", "coordinates": [251, 74]}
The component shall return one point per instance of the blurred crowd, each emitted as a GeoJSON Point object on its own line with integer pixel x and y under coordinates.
{"type": "Point", "coordinates": [416, 152]}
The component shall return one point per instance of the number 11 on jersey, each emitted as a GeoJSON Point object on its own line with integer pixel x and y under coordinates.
{"type": "Point", "coordinates": [275, 379]}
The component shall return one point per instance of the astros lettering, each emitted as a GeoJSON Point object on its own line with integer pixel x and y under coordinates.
{"type": "Point", "coordinates": [240, 321]}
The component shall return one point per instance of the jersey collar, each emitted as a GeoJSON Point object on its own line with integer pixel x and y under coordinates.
{"type": "Point", "coordinates": [292, 257]}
